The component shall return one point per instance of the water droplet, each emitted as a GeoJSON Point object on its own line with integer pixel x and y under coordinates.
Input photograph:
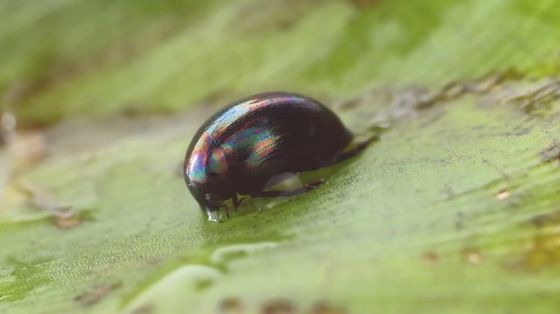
{"type": "Point", "coordinates": [213, 215]}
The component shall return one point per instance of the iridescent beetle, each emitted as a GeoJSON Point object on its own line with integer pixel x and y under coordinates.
{"type": "Point", "coordinates": [258, 140]}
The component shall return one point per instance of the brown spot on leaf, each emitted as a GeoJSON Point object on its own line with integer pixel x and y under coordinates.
{"type": "Point", "coordinates": [278, 306]}
{"type": "Point", "coordinates": [70, 219]}
{"type": "Point", "coordinates": [231, 305]}
{"type": "Point", "coordinates": [544, 248]}
{"type": "Point", "coordinates": [546, 219]}
{"type": "Point", "coordinates": [492, 81]}
{"type": "Point", "coordinates": [67, 222]}
{"type": "Point", "coordinates": [430, 257]}
{"type": "Point", "coordinates": [544, 251]}
{"type": "Point", "coordinates": [96, 294]}
{"type": "Point", "coordinates": [452, 90]}
{"type": "Point", "coordinates": [534, 98]}
{"type": "Point", "coordinates": [325, 308]}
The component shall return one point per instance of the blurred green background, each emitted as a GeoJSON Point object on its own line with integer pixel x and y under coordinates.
{"type": "Point", "coordinates": [68, 58]}
{"type": "Point", "coordinates": [454, 210]}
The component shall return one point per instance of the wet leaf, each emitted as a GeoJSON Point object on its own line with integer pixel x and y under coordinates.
{"type": "Point", "coordinates": [454, 209]}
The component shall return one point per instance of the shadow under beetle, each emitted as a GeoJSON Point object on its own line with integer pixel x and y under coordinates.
{"type": "Point", "coordinates": [255, 142]}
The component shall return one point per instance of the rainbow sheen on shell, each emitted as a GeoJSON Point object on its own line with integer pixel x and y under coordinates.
{"type": "Point", "coordinates": [240, 149]}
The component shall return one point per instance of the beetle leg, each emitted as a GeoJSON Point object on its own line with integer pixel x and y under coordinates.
{"type": "Point", "coordinates": [236, 201]}
{"type": "Point", "coordinates": [303, 189]}
{"type": "Point", "coordinates": [355, 150]}
{"type": "Point", "coordinates": [226, 209]}
{"type": "Point", "coordinates": [259, 208]}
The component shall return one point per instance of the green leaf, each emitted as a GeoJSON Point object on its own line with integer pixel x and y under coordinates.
{"type": "Point", "coordinates": [454, 210]}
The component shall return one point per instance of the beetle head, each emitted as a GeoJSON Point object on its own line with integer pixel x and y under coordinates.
{"type": "Point", "coordinates": [209, 198]}
{"type": "Point", "coordinates": [207, 176]}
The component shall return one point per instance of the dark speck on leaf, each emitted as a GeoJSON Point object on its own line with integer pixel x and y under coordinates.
{"type": "Point", "coordinates": [325, 308]}
{"type": "Point", "coordinates": [278, 307]}
{"type": "Point", "coordinates": [231, 305]}
{"type": "Point", "coordinates": [430, 257]}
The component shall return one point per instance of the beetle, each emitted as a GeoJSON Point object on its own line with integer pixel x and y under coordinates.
{"type": "Point", "coordinates": [256, 141]}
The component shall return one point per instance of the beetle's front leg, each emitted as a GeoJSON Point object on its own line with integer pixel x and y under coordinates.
{"type": "Point", "coordinates": [355, 150]}
{"type": "Point", "coordinates": [236, 201]}
{"type": "Point", "coordinates": [226, 209]}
